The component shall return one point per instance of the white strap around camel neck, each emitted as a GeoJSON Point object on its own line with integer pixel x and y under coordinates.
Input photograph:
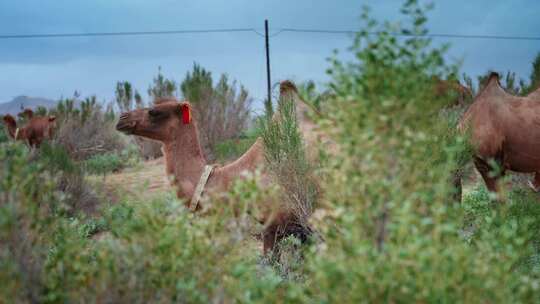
{"type": "Point", "coordinates": [200, 187]}
{"type": "Point", "coordinates": [16, 134]}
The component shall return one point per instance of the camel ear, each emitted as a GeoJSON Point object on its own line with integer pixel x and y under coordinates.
{"type": "Point", "coordinates": [52, 118]}
{"type": "Point", "coordinates": [185, 111]}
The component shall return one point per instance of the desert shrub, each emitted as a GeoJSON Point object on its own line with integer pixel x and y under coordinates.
{"type": "Point", "coordinates": [87, 130]}
{"type": "Point", "coordinates": [231, 149]}
{"type": "Point", "coordinates": [223, 109]}
{"type": "Point", "coordinates": [78, 195]}
{"type": "Point", "coordinates": [28, 202]}
{"type": "Point", "coordinates": [199, 261]}
{"type": "Point", "coordinates": [391, 233]}
{"type": "Point", "coordinates": [3, 134]}
{"type": "Point", "coordinates": [286, 160]}
{"type": "Point", "coordinates": [101, 164]}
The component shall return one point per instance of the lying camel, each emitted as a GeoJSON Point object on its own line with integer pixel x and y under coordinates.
{"type": "Point", "coordinates": [171, 123]}
{"type": "Point", "coordinates": [37, 129]}
{"type": "Point", "coordinates": [504, 131]}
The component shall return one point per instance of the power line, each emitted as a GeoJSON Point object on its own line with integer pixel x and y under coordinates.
{"type": "Point", "coordinates": [137, 33]}
{"type": "Point", "coordinates": [322, 31]}
{"type": "Point", "coordinates": [253, 30]}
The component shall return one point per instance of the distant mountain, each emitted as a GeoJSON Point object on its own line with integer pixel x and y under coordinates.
{"type": "Point", "coordinates": [22, 102]}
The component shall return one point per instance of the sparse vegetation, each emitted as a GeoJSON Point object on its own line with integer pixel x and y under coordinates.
{"type": "Point", "coordinates": [224, 107]}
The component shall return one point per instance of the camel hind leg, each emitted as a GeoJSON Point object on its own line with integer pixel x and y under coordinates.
{"type": "Point", "coordinates": [486, 170]}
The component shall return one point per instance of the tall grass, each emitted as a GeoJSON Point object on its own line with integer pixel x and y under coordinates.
{"type": "Point", "coordinates": [286, 160]}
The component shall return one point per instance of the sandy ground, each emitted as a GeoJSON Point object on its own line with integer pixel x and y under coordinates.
{"type": "Point", "coordinates": [144, 181]}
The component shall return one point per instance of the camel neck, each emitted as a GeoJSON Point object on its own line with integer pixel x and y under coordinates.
{"type": "Point", "coordinates": [184, 159]}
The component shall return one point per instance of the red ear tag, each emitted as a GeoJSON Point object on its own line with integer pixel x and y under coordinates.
{"type": "Point", "coordinates": [186, 114]}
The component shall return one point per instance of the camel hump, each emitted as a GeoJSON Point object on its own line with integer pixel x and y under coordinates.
{"type": "Point", "coordinates": [493, 78]}
{"type": "Point", "coordinates": [493, 90]}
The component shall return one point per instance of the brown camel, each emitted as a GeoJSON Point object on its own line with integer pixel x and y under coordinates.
{"type": "Point", "coordinates": [444, 87]}
{"type": "Point", "coordinates": [504, 131]}
{"type": "Point", "coordinates": [37, 129]}
{"type": "Point", "coordinates": [171, 123]}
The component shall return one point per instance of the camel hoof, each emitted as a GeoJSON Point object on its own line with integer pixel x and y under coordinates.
{"type": "Point", "coordinates": [531, 185]}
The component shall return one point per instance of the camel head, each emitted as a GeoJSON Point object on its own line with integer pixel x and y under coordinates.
{"type": "Point", "coordinates": [11, 125]}
{"type": "Point", "coordinates": [27, 113]}
{"type": "Point", "coordinates": [160, 122]}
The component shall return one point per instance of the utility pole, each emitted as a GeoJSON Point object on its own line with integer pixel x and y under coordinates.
{"type": "Point", "coordinates": [268, 81]}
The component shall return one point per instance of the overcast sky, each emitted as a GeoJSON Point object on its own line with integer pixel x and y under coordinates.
{"type": "Point", "coordinates": [57, 67]}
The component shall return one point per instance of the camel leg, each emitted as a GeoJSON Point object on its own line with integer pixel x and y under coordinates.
{"type": "Point", "coordinates": [485, 170]}
{"type": "Point", "coordinates": [458, 187]}
{"type": "Point", "coordinates": [270, 239]}
{"type": "Point", "coordinates": [535, 184]}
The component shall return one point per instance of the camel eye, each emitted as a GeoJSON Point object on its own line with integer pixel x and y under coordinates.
{"type": "Point", "coordinates": [156, 115]}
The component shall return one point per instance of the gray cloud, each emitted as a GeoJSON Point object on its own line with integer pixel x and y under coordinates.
{"type": "Point", "coordinates": [54, 67]}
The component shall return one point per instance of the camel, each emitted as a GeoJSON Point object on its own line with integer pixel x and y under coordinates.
{"type": "Point", "coordinates": [37, 129]}
{"type": "Point", "coordinates": [504, 131]}
{"type": "Point", "coordinates": [171, 123]}
{"type": "Point", "coordinates": [444, 87]}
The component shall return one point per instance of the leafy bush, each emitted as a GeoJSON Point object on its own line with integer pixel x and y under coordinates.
{"type": "Point", "coordinates": [88, 130]}
{"type": "Point", "coordinates": [391, 232]}
{"type": "Point", "coordinates": [102, 164]}
{"type": "Point", "coordinates": [77, 195]}
{"type": "Point", "coordinates": [222, 108]}
{"type": "Point", "coordinates": [3, 134]}
{"type": "Point", "coordinates": [27, 204]}
{"type": "Point", "coordinates": [285, 156]}
{"type": "Point", "coordinates": [231, 149]}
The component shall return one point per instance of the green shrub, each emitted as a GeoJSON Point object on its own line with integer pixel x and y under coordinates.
{"type": "Point", "coordinates": [231, 149]}
{"type": "Point", "coordinates": [286, 160]}
{"type": "Point", "coordinates": [391, 232]}
{"type": "Point", "coordinates": [3, 134]}
{"type": "Point", "coordinates": [102, 164]}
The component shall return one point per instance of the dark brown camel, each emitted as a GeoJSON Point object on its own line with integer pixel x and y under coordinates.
{"type": "Point", "coordinates": [37, 129]}
{"type": "Point", "coordinates": [505, 133]}
{"type": "Point", "coordinates": [170, 122]}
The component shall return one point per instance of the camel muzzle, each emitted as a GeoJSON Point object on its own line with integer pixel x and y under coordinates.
{"type": "Point", "coordinates": [125, 126]}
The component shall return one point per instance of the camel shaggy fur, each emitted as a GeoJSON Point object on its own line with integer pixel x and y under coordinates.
{"type": "Point", "coordinates": [171, 123]}
{"type": "Point", "coordinates": [504, 131]}
{"type": "Point", "coordinates": [37, 129]}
